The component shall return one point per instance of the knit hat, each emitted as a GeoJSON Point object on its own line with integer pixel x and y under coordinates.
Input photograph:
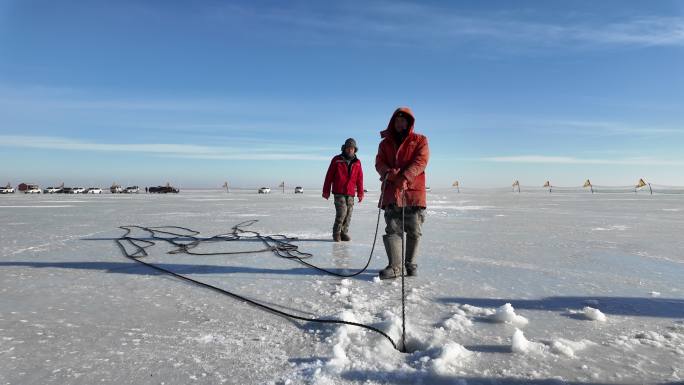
{"type": "Point", "coordinates": [350, 143]}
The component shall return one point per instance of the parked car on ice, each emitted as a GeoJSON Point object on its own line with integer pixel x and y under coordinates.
{"type": "Point", "coordinates": [162, 190]}
{"type": "Point", "coordinates": [66, 190]}
{"type": "Point", "coordinates": [299, 190]}
{"type": "Point", "coordinates": [78, 190]}
{"type": "Point", "coordinates": [53, 190]}
{"type": "Point", "coordinates": [29, 188]}
{"type": "Point", "coordinates": [94, 190]}
{"type": "Point", "coordinates": [264, 190]}
{"type": "Point", "coordinates": [116, 189]}
{"type": "Point", "coordinates": [132, 190]}
{"type": "Point", "coordinates": [7, 189]}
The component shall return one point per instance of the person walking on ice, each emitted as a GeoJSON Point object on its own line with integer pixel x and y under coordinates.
{"type": "Point", "coordinates": [401, 161]}
{"type": "Point", "coordinates": [345, 179]}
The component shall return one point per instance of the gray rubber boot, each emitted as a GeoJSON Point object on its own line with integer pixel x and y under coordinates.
{"type": "Point", "coordinates": [411, 254]}
{"type": "Point", "coordinates": [393, 250]}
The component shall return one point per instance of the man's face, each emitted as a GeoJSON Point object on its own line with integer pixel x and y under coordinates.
{"type": "Point", "coordinates": [349, 151]}
{"type": "Point", "coordinates": [400, 124]}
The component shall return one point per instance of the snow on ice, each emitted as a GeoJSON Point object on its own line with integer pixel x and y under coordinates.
{"type": "Point", "coordinates": [594, 314]}
{"type": "Point", "coordinates": [512, 289]}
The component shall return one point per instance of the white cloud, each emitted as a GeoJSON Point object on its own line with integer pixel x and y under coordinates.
{"type": "Point", "coordinates": [268, 151]}
{"type": "Point", "coordinates": [589, 127]}
{"type": "Point", "coordinates": [402, 23]}
{"type": "Point", "coordinates": [544, 159]}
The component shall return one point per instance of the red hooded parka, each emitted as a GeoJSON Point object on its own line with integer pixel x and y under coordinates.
{"type": "Point", "coordinates": [410, 157]}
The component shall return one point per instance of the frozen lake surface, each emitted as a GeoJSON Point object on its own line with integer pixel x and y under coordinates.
{"type": "Point", "coordinates": [512, 289]}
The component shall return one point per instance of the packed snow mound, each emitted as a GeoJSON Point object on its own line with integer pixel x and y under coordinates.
{"type": "Point", "coordinates": [593, 314]}
{"type": "Point", "coordinates": [347, 316]}
{"type": "Point", "coordinates": [339, 358]}
{"type": "Point", "coordinates": [506, 314]}
{"type": "Point", "coordinates": [568, 348]}
{"type": "Point", "coordinates": [561, 346]}
{"type": "Point", "coordinates": [348, 338]}
{"type": "Point", "coordinates": [521, 344]}
{"type": "Point", "coordinates": [458, 323]}
{"type": "Point", "coordinates": [343, 289]}
{"type": "Point", "coordinates": [475, 311]}
{"type": "Point", "coordinates": [451, 358]}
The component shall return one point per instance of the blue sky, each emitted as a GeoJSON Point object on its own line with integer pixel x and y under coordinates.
{"type": "Point", "coordinates": [254, 92]}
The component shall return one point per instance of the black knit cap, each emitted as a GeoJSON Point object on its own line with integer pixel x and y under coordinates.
{"type": "Point", "coordinates": [350, 143]}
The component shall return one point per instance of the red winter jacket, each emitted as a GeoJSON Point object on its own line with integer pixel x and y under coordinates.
{"type": "Point", "coordinates": [343, 179]}
{"type": "Point", "coordinates": [410, 157]}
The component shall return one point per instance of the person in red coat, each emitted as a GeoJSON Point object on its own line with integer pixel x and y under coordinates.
{"type": "Point", "coordinates": [345, 178]}
{"type": "Point", "coordinates": [401, 161]}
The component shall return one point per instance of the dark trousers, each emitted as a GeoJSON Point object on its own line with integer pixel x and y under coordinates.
{"type": "Point", "coordinates": [414, 217]}
{"type": "Point", "coordinates": [344, 205]}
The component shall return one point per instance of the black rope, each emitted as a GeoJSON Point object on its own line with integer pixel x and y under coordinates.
{"type": "Point", "coordinates": [279, 244]}
{"type": "Point", "coordinates": [403, 262]}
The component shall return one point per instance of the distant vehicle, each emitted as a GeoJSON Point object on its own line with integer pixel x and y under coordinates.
{"type": "Point", "coordinates": [53, 190]}
{"type": "Point", "coordinates": [365, 190]}
{"type": "Point", "coordinates": [163, 190]}
{"type": "Point", "coordinates": [299, 190]}
{"type": "Point", "coordinates": [30, 188]}
{"type": "Point", "coordinates": [427, 188]}
{"type": "Point", "coordinates": [264, 190]}
{"type": "Point", "coordinates": [7, 189]}
{"type": "Point", "coordinates": [132, 190]}
{"type": "Point", "coordinates": [116, 189]}
{"type": "Point", "coordinates": [78, 190]}
{"type": "Point", "coordinates": [66, 190]}
{"type": "Point", "coordinates": [94, 190]}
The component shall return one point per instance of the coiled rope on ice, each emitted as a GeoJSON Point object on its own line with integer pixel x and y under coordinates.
{"type": "Point", "coordinates": [280, 245]}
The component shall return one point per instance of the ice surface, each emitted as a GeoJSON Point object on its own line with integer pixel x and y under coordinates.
{"type": "Point", "coordinates": [74, 311]}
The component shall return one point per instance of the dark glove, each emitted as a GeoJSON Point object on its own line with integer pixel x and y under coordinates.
{"type": "Point", "coordinates": [393, 174]}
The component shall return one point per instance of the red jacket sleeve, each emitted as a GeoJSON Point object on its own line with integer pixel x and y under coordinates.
{"type": "Point", "coordinates": [381, 163]}
{"type": "Point", "coordinates": [359, 182]}
{"type": "Point", "coordinates": [327, 185]}
{"type": "Point", "coordinates": [419, 162]}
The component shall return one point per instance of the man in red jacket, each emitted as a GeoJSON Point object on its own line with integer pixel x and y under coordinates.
{"type": "Point", "coordinates": [344, 176]}
{"type": "Point", "coordinates": [401, 161]}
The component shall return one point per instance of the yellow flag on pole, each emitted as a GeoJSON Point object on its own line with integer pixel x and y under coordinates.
{"type": "Point", "coordinates": [641, 183]}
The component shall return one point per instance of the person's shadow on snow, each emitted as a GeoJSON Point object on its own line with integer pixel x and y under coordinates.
{"type": "Point", "coordinates": [178, 268]}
